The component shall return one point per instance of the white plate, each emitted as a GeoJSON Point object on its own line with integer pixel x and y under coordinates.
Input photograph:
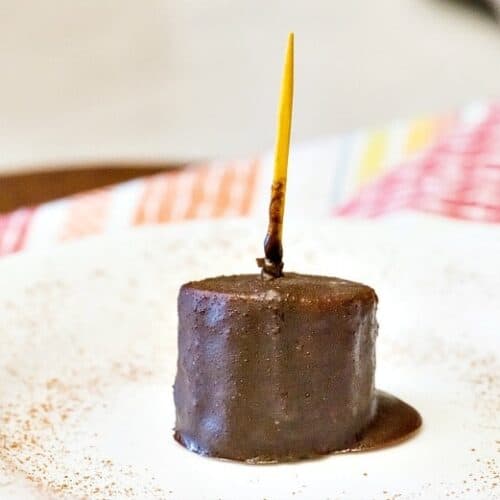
{"type": "Point", "coordinates": [88, 351]}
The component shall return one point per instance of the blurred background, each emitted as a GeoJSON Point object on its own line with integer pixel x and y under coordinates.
{"type": "Point", "coordinates": [181, 80]}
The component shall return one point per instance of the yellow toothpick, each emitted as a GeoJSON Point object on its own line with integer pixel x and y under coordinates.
{"type": "Point", "coordinates": [272, 265]}
{"type": "Point", "coordinates": [284, 117]}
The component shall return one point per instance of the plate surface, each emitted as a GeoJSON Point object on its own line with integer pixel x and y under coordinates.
{"type": "Point", "coordinates": [88, 352]}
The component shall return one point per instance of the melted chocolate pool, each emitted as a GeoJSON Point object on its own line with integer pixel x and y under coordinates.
{"type": "Point", "coordinates": [394, 422]}
{"type": "Point", "coordinates": [279, 370]}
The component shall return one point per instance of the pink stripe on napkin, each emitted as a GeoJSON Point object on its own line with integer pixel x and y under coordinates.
{"type": "Point", "coordinates": [13, 228]}
{"type": "Point", "coordinates": [458, 177]}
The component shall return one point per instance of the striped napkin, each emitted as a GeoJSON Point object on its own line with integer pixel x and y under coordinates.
{"type": "Point", "coordinates": [447, 165]}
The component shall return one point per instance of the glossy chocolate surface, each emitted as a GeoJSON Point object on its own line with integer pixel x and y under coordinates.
{"type": "Point", "coordinates": [275, 370]}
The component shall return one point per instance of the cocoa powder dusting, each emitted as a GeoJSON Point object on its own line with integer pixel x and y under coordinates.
{"type": "Point", "coordinates": [58, 366]}
{"type": "Point", "coordinates": [41, 417]}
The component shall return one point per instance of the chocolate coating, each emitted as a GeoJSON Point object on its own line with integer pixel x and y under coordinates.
{"type": "Point", "coordinates": [274, 370]}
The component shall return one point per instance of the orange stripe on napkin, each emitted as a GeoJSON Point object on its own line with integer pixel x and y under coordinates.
{"type": "Point", "coordinates": [86, 215]}
{"type": "Point", "coordinates": [198, 193]}
{"type": "Point", "coordinates": [170, 197]}
{"type": "Point", "coordinates": [223, 199]}
{"type": "Point", "coordinates": [249, 192]}
{"type": "Point", "coordinates": [149, 207]}
{"type": "Point", "coordinates": [206, 191]}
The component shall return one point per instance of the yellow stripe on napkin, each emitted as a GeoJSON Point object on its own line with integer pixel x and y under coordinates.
{"type": "Point", "coordinates": [421, 133]}
{"type": "Point", "coordinates": [372, 158]}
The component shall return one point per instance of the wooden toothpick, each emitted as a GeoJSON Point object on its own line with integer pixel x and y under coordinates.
{"type": "Point", "coordinates": [272, 263]}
